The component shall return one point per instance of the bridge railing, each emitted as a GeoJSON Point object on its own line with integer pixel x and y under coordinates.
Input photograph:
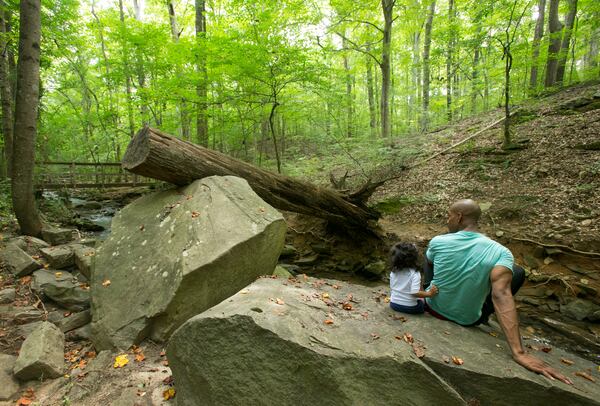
{"type": "Point", "coordinates": [75, 175]}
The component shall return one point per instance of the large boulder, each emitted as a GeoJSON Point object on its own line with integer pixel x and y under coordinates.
{"type": "Point", "coordinates": [30, 245]}
{"type": "Point", "coordinates": [83, 259]}
{"type": "Point", "coordinates": [176, 253]}
{"type": "Point", "coordinates": [308, 341]}
{"type": "Point", "coordinates": [57, 236]}
{"type": "Point", "coordinates": [18, 261]}
{"type": "Point", "coordinates": [42, 354]}
{"type": "Point", "coordinates": [59, 257]}
{"type": "Point", "coordinates": [9, 386]}
{"type": "Point", "coordinates": [62, 288]}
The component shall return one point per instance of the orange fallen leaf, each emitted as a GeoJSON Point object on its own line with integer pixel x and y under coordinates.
{"type": "Point", "coordinates": [328, 321]}
{"type": "Point", "coordinates": [457, 361]}
{"type": "Point", "coordinates": [169, 394]}
{"type": "Point", "coordinates": [408, 338]}
{"type": "Point", "coordinates": [26, 280]}
{"type": "Point", "coordinates": [566, 361]}
{"type": "Point", "coordinates": [418, 350]}
{"type": "Point", "coordinates": [401, 318]}
{"type": "Point", "coordinates": [375, 336]}
{"type": "Point", "coordinates": [67, 314]}
{"type": "Point", "coordinates": [585, 375]}
{"type": "Point", "coordinates": [165, 363]}
{"type": "Point", "coordinates": [162, 353]}
{"type": "Point", "coordinates": [91, 354]}
{"type": "Point", "coordinates": [46, 266]}
{"type": "Point", "coordinates": [195, 214]}
{"type": "Point", "coordinates": [140, 357]}
{"type": "Point", "coordinates": [279, 301]}
{"type": "Point", "coordinates": [546, 349]}
{"type": "Point", "coordinates": [23, 402]}
{"type": "Point", "coordinates": [347, 306]}
{"type": "Point", "coordinates": [106, 282]}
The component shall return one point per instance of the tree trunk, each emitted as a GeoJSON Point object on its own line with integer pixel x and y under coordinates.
{"type": "Point", "coordinates": [426, 67]}
{"type": "Point", "coordinates": [127, 75]}
{"type": "Point", "coordinates": [26, 111]}
{"type": "Point", "coordinates": [388, 8]}
{"type": "Point", "coordinates": [449, 62]}
{"type": "Point", "coordinates": [554, 29]}
{"type": "Point", "coordinates": [201, 91]}
{"type": "Point", "coordinates": [349, 107]}
{"type": "Point", "coordinates": [414, 98]}
{"type": "Point", "coordinates": [6, 90]}
{"type": "Point", "coordinates": [371, 97]}
{"type": "Point", "coordinates": [157, 155]}
{"type": "Point", "coordinates": [507, 67]}
{"type": "Point", "coordinates": [537, 38]}
{"type": "Point", "coordinates": [566, 41]}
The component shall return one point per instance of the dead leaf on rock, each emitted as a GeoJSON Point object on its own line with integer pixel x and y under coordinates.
{"type": "Point", "coordinates": [195, 214]}
{"type": "Point", "coordinates": [244, 291]}
{"type": "Point", "coordinates": [408, 338]}
{"type": "Point", "coordinates": [169, 380]}
{"type": "Point", "coordinates": [493, 334]}
{"type": "Point", "coordinates": [447, 333]}
{"type": "Point", "coordinates": [328, 321]}
{"type": "Point", "coordinates": [335, 286]}
{"type": "Point", "coordinates": [347, 306]}
{"type": "Point", "coordinates": [163, 353]}
{"type": "Point", "coordinates": [375, 336]}
{"type": "Point", "coordinates": [58, 274]}
{"type": "Point", "coordinates": [106, 283]}
{"type": "Point", "coordinates": [585, 375]}
{"type": "Point", "coordinates": [400, 318]}
{"type": "Point", "coordinates": [418, 350]}
{"type": "Point", "coordinates": [169, 394]}
{"type": "Point", "coordinates": [165, 363]}
{"type": "Point", "coordinates": [546, 349]}
{"type": "Point", "coordinates": [566, 361]}
{"type": "Point", "coordinates": [140, 357]}
{"type": "Point", "coordinates": [26, 280]}
{"type": "Point", "coordinates": [23, 402]}
{"type": "Point", "coordinates": [142, 227]}
{"type": "Point", "coordinates": [457, 361]}
{"type": "Point", "coordinates": [121, 361]}
{"type": "Point", "coordinates": [279, 301]}
{"type": "Point", "coordinates": [325, 295]}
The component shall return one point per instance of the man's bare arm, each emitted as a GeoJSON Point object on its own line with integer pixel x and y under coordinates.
{"type": "Point", "coordinates": [506, 312]}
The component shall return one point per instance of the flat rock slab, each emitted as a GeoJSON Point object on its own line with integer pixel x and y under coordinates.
{"type": "Point", "coordinates": [30, 245]}
{"type": "Point", "coordinates": [57, 236]}
{"type": "Point", "coordinates": [9, 386]}
{"type": "Point", "coordinates": [74, 321]}
{"type": "Point", "coordinates": [18, 261]}
{"type": "Point", "coordinates": [20, 315]}
{"type": "Point", "coordinates": [83, 259]}
{"type": "Point", "coordinates": [286, 341]}
{"type": "Point", "coordinates": [7, 295]}
{"type": "Point", "coordinates": [42, 354]}
{"type": "Point", "coordinates": [62, 288]}
{"type": "Point", "coordinates": [176, 253]}
{"type": "Point", "coordinates": [59, 257]}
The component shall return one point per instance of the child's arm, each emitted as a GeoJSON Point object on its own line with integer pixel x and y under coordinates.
{"type": "Point", "coordinates": [433, 290]}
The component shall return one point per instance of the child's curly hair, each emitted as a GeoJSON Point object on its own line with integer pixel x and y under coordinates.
{"type": "Point", "coordinates": [403, 255]}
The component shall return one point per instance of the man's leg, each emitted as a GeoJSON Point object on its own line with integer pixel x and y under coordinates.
{"type": "Point", "coordinates": [488, 306]}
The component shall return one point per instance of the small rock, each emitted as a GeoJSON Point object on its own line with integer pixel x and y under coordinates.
{"type": "Point", "coordinates": [26, 315]}
{"type": "Point", "coordinates": [376, 268]}
{"type": "Point", "coordinates": [7, 295]}
{"type": "Point", "coordinates": [499, 233]}
{"type": "Point", "coordinates": [585, 287]}
{"type": "Point", "coordinates": [30, 245]}
{"type": "Point", "coordinates": [293, 269]}
{"type": "Point", "coordinates": [59, 257]}
{"type": "Point", "coordinates": [306, 261]}
{"type": "Point", "coordinates": [18, 261]}
{"type": "Point", "coordinates": [81, 333]}
{"type": "Point", "coordinates": [531, 261]}
{"type": "Point", "coordinates": [83, 259]}
{"type": "Point", "coordinates": [57, 236]}
{"type": "Point", "coordinates": [282, 272]}
{"type": "Point", "coordinates": [74, 321]}
{"type": "Point", "coordinates": [579, 309]}
{"type": "Point", "coordinates": [594, 317]}
{"type": "Point", "coordinates": [60, 287]}
{"type": "Point", "coordinates": [288, 251]}
{"type": "Point", "coordinates": [41, 355]}
{"type": "Point", "coordinates": [323, 249]}
{"type": "Point", "coordinates": [586, 222]}
{"type": "Point", "coordinates": [531, 301]}
{"type": "Point", "coordinates": [548, 261]}
{"type": "Point", "coordinates": [558, 236]}
{"type": "Point", "coordinates": [9, 386]}
{"type": "Point", "coordinates": [539, 252]}
{"type": "Point", "coordinates": [553, 251]}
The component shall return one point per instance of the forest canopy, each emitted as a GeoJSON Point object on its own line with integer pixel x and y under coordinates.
{"type": "Point", "coordinates": [271, 82]}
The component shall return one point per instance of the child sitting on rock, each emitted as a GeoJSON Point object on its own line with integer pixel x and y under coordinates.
{"type": "Point", "coordinates": [405, 280]}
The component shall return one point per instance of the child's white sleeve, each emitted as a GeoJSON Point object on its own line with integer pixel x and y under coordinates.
{"type": "Point", "coordinates": [415, 285]}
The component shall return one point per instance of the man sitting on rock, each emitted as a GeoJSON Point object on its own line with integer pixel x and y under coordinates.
{"type": "Point", "coordinates": [475, 276]}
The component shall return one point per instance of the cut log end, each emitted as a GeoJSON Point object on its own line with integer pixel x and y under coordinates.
{"type": "Point", "coordinates": [137, 150]}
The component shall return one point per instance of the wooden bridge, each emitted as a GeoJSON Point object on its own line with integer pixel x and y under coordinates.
{"type": "Point", "coordinates": [80, 175]}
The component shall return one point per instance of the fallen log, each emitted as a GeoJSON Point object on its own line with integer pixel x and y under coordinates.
{"type": "Point", "coordinates": [155, 154]}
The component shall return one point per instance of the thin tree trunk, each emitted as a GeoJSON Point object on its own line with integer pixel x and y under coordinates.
{"type": "Point", "coordinates": [388, 8]}
{"type": "Point", "coordinates": [415, 93]}
{"type": "Point", "coordinates": [6, 89]}
{"type": "Point", "coordinates": [139, 67]}
{"type": "Point", "coordinates": [371, 97]}
{"type": "Point", "coordinates": [426, 67]}
{"type": "Point", "coordinates": [201, 88]}
{"type": "Point", "coordinates": [349, 107]}
{"type": "Point", "coordinates": [127, 75]}
{"type": "Point", "coordinates": [537, 38]}
{"type": "Point", "coordinates": [566, 41]}
{"type": "Point", "coordinates": [449, 60]}
{"type": "Point", "coordinates": [507, 67]}
{"type": "Point", "coordinates": [554, 29]}
{"type": "Point", "coordinates": [26, 110]}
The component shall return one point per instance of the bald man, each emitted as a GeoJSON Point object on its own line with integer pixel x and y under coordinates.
{"type": "Point", "coordinates": [476, 276]}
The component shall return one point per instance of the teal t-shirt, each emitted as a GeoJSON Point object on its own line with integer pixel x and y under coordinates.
{"type": "Point", "coordinates": [462, 263]}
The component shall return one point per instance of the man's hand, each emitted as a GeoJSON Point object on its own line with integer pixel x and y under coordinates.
{"type": "Point", "coordinates": [433, 290]}
{"type": "Point", "coordinates": [537, 365]}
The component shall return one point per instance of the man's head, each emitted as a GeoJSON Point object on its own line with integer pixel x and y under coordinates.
{"type": "Point", "coordinates": [463, 214]}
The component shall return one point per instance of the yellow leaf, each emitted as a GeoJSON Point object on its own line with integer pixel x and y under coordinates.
{"type": "Point", "coordinates": [58, 274]}
{"type": "Point", "coordinates": [387, 299]}
{"type": "Point", "coordinates": [325, 295]}
{"type": "Point", "coordinates": [106, 283]}
{"type": "Point", "coordinates": [169, 394]}
{"type": "Point", "coordinates": [121, 361]}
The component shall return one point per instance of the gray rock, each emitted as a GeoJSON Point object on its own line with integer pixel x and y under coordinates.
{"type": "Point", "coordinates": [579, 309]}
{"type": "Point", "coordinates": [81, 333]}
{"type": "Point", "coordinates": [26, 329]}
{"type": "Point", "coordinates": [307, 261]}
{"type": "Point", "coordinates": [293, 269]}
{"type": "Point", "coordinates": [41, 355]}
{"type": "Point", "coordinates": [61, 288]}
{"type": "Point", "coordinates": [9, 386]}
{"type": "Point", "coordinates": [18, 261]}
{"type": "Point", "coordinates": [57, 236]}
{"type": "Point", "coordinates": [74, 321]}
{"type": "Point", "coordinates": [281, 272]}
{"type": "Point", "coordinates": [251, 350]}
{"type": "Point", "coordinates": [59, 257]}
{"type": "Point", "coordinates": [30, 245]}
{"type": "Point", "coordinates": [595, 317]}
{"type": "Point", "coordinates": [83, 259]}
{"type": "Point", "coordinates": [91, 205]}
{"type": "Point", "coordinates": [376, 268]}
{"type": "Point", "coordinates": [288, 251]}
{"type": "Point", "coordinates": [7, 295]}
{"type": "Point", "coordinates": [20, 315]}
{"type": "Point", "coordinates": [176, 253]}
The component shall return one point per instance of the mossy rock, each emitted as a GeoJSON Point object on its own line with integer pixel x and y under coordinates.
{"type": "Point", "coordinates": [394, 204]}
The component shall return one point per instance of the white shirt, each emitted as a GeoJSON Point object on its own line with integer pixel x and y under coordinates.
{"type": "Point", "coordinates": [404, 284]}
